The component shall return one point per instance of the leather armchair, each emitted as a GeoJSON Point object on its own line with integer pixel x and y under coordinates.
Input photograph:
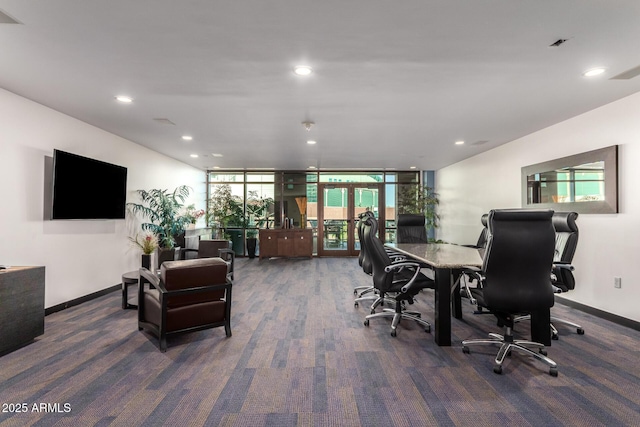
{"type": "Point", "coordinates": [213, 248]}
{"type": "Point", "coordinates": [189, 295]}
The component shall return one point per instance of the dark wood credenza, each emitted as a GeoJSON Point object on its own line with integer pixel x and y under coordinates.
{"type": "Point", "coordinates": [21, 306]}
{"type": "Point", "coordinates": [286, 242]}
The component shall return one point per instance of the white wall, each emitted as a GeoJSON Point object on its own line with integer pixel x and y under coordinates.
{"type": "Point", "coordinates": [609, 245]}
{"type": "Point", "coordinates": [80, 257]}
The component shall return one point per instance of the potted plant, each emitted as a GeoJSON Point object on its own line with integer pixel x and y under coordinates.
{"type": "Point", "coordinates": [148, 243]}
{"type": "Point", "coordinates": [162, 210]}
{"type": "Point", "coordinates": [258, 215]}
{"type": "Point", "coordinates": [419, 199]}
{"type": "Point", "coordinates": [192, 215]}
{"type": "Point", "coordinates": [226, 212]}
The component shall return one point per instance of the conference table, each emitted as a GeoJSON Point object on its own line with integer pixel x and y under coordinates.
{"type": "Point", "coordinates": [447, 261]}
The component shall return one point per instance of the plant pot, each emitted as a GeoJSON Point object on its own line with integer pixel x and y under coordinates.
{"type": "Point", "coordinates": [167, 254]}
{"type": "Point", "coordinates": [252, 243]}
{"type": "Point", "coordinates": [150, 262]}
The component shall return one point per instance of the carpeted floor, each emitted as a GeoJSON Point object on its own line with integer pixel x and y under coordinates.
{"type": "Point", "coordinates": [301, 356]}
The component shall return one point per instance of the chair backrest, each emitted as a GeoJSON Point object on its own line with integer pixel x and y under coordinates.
{"type": "Point", "coordinates": [193, 273]}
{"type": "Point", "coordinates": [566, 244]}
{"type": "Point", "coordinates": [364, 248]}
{"type": "Point", "coordinates": [482, 239]}
{"type": "Point", "coordinates": [566, 236]}
{"type": "Point", "coordinates": [210, 248]}
{"type": "Point", "coordinates": [411, 228]}
{"type": "Point", "coordinates": [377, 255]}
{"type": "Point", "coordinates": [518, 261]}
{"type": "Point", "coordinates": [363, 254]}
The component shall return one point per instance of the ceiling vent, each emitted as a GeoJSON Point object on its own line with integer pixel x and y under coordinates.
{"type": "Point", "coordinates": [6, 19]}
{"type": "Point", "coordinates": [558, 42]}
{"type": "Point", "coordinates": [164, 121]}
{"type": "Point", "coordinates": [629, 74]}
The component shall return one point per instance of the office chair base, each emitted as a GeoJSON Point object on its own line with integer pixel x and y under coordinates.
{"type": "Point", "coordinates": [506, 347]}
{"type": "Point", "coordinates": [397, 317]}
{"type": "Point", "coordinates": [554, 330]}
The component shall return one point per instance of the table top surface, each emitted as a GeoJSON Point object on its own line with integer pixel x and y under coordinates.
{"type": "Point", "coordinates": [440, 255]}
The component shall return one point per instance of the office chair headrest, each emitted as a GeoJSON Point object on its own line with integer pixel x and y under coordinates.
{"type": "Point", "coordinates": [411, 220]}
{"type": "Point", "coordinates": [565, 222]}
{"type": "Point", "coordinates": [366, 214]}
{"type": "Point", "coordinates": [484, 219]}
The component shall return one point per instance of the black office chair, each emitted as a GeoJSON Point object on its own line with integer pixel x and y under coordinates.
{"type": "Point", "coordinates": [411, 228]}
{"type": "Point", "coordinates": [403, 279]}
{"type": "Point", "coordinates": [369, 293]}
{"type": "Point", "coordinates": [518, 258]}
{"type": "Point", "coordinates": [469, 274]}
{"type": "Point", "coordinates": [363, 259]}
{"type": "Point", "coordinates": [566, 244]}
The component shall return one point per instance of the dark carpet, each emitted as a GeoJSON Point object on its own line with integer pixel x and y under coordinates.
{"type": "Point", "coordinates": [301, 356]}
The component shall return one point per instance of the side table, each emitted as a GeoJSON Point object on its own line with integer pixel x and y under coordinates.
{"type": "Point", "coordinates": [129, 278]}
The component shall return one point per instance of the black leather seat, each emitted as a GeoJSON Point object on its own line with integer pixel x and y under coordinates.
{"type": "Point", "coordinates": [402, 279]}
{"type": "Point", "coordinates": [516, 266]}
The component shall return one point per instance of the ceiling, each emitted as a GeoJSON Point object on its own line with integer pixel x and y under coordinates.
{"type": "Point", "coordinates": [394, 83]}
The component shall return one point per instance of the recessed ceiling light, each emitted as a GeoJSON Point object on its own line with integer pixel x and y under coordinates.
{"type": "Point", "coordinates": [302, 70]}
{"type": "Point", "coordinates": [311, 167]}
{"type": "Point", "coordinates": [187, 137]}
{"type": "Point", "coordinates": [195, 156]}
{"type": "Point", "coordinates": [216, 155]}
{"type": "Point", "coordinates": [412, 167]}
{"type": "Point", "coordinates": [311, 142]}
{"type": "Point", "coordinates": [459, 142]}
{"type": "Point", "coordinates": [124, 99]}
{"type": "Point", "coordinates": [594, 72]}
{"type": "Point", "coordinates": [216, 167]}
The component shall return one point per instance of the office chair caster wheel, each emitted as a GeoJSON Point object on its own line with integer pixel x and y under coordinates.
{"type": "Point", "coordinates": [427, 329]}
{"type": "Point", "coordinates": [355, 292]}
{"type": "Point", "coordinates": [373, 311]}
{"type": "Point", "coordinates": [355, 304]}
{"type": "Point", "coordinates": [553, 372]}
{"type": "Point", "coordinates": [554, 337]}
{"type": "Point", "coordinates": [466, 350]}
{"type": "Point", "coordinates": [580, 331]}
{"type": "Point", "coordinates": [366, 322]}
{"type": "Point", "coordinates": [394, 333]}
{"type": "Point", "coordinates": [497, 369]}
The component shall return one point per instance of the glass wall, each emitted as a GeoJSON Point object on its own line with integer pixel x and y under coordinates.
{"type": "Point", "coordinates": [240, 203]}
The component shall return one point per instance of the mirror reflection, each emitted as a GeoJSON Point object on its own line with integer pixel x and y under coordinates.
{"type": "Point", "coordinates": [582, 183]}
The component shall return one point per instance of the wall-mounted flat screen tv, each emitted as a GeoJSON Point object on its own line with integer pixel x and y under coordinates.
{"type": "Point", "coordinates": [85, 188]}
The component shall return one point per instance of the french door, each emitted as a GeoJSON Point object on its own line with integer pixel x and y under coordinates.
{"type": "Point", "coordinates": [340, 204]}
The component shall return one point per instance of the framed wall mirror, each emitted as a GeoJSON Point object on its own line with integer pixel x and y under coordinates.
{"type": "Point", "coordinates": [583, 183]}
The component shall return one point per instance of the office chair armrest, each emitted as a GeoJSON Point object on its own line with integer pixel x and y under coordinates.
{"type": "Point", "coordinates": [564, 266]}
{"type": "Point", "coordinates": [474, 272]}
{"type": "Point", "coordinates": [400, 265]}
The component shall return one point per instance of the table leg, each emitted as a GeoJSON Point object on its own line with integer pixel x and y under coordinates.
{"type": "Point", "coordinates": [442, 329]}
{"type": "Point", "coordinates": [125, 285]}
{"type": "Point", "coordinates": [456, 301]}
{"type": "Point", "coordinates": [540, 327]}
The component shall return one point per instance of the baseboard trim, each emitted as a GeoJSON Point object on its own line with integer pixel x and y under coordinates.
{"type": "Point", "coordinates": [600, 313]}
{"type": "Point", "coordinates": [78, 301]}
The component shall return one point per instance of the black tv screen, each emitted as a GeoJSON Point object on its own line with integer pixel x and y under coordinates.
{"type": "Point", "coordinates": [85, 188]}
